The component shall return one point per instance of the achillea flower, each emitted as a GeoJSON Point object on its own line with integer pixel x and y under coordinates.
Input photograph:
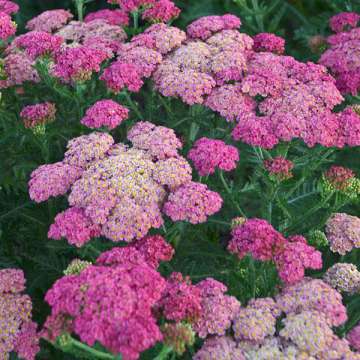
{"type": "Point", "coordinates": [159, 141]}
{"type": "Point", "coordinates": [317, 44]}
{"type": "Point", "coordinates": [131, 5]}
{"type": "Point", "coordinates": [112, 17]}
{"type": "Point", "coordinates": [230, 102]}
{"type": "Point", "coordinates": [217, 309]}
{"type": "Point", "coordinates": [309, 330]}
{"type": "Point", "coordinates": [111, 47]}
{"type": "Point", "coordinates": [73, 31]}
{"type": "Point", "coordinates": [343, 277]}
{"type": "Point", "coordinates": [349, 121]}
{"type": "Point", "coordinates": [192, 202]}
{"type": "Point", "coordinates": [38, 43]}
{"type": "Point", "coordinates": [161, 11]}
{"type": "Point", "coordinates": [313, 295]}
{"type": "Point", "coordinates": [269, 42]}
{"type": "Point", "coordinates": [354, 337]}
{"type": "Point", "coordinates": [52, 180]}
{"type": "Point", "coordinates": [343, 232]}
{"type": "Point", "coordinates": [7, 26]}
{"type": "Point", "coordinates": [253, 324]}
{"type": "Point", "coordinates": [49, 21]}
{"type": "Point", "coordinates": [265, 304]}
{"type": "Point", "coordinates": [111, 305]}
{"type": "Point", "coordinates": [18, 332]}
{"type": "Point", "coordinates": [100, 28]}
{"type": "Point", "coordinates": [76, 267]}
{"type": "Point", "coordinates": [146, 60]}
{"type": "Point", "coordinates": [166, 38]}
{"type": "Point", "coordinates": [74, 226]}
{"type": "Point", "coordinates": [226, 40]}
{"type": "Point", "coordinates": [219, 347]}
{"type": "Point", "coordinates": [339, 178]}
{"type": "Point", "coordinates": [39, 114]}
{"type": "Point", "coordinates": [8, 7]}
{"type": "Point", "coordinates": [204, 27]}
{"type": "Point", "coordinates": [279, 168]}
{"type": "Point", "coordinates": [121, 75]}
{"type": "Point", "coordinates": [106, 113]}
{"type": "Point", "coordinates": [178, 336]}
{"type": "Point", "coordinates": [78, 63]}
{"type": "Point", "coordinates": [181, 299]}
{"type": "Point", "coordinates": [209, 154]}
{"type": "Point", "coordinates": [344, 21]}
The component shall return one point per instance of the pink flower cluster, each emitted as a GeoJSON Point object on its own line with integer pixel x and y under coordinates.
{"type": "Point", "coordinates": [18, 332]}
{"type": "Point", "coordinates": [309, 310]}
{"type": "Point", "coordinates": [354, 337]}
{"type": "Point", "coordinates": [7, 26]}
{"type": "Point", "coordinates": [209, 154]}
{"type": "Point", "coordinates": [343, 277]}
{"type": "Point", "coordinates": [339, 177]}
{"type": "Point", "coordinates": [343, 232]}
{"type": "Point", "coordinates": [49, 21]}
{"type": "Point", "coordinates": [341, 57]}
{"type": "Point", "coordinates": [39, 114]}
{"type": "Point", "coordinates": [291, 256]}
{"type": "Point", "coordinates": [122, 190]}
{"type": "Point", "coordinates": [270, 43]}
{"type": "Point", "coordinates": [107, 113]}
{"type": "Point", "coordinates": [279, 168]}
{"type": "Point", "coordinates": [113, 17]}
{"type": "Point", "coordinates": [8, 7]}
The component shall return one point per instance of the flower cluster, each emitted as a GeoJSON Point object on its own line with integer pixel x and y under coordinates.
{"type": "Point", "coordinates": [308, 311]}
{"type": "Point", "coordinates": [259, 239]}
{"type": "Point", "coordinates": [343, 232]}
{"type": "Point", "coordinates": [7, 26]}
{"type": "Point", "coordinates": [113, 17]}
{"type": "Point", "coordinates": [343, 277]}
{"type": "Point", "coordinates": [38, 115]}
{"type": "Point", "coordinates": [8, 7]}
{"type": "Point", "coordinates": [49, 21]}
{"type": "Point", "coordinates": [341, 57]}
{"type": "Point", "coordinates": [18, 332]}
{"type": "Point", "coordinates": [209, 154]}
{"type": "Point", "coordinates": [279, 168]}
{"type": "Point", "coordinates": [107, 113]}
{"type": "Point", "coordinates": [354, 337]}
{"type": "Point", "coordinates": [122, 190]}
{"type": "Point", "coordinates": [269, 42]}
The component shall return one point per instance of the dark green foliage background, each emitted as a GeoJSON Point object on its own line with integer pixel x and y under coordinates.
{"type": "Point", "coordinates": [201, 249]}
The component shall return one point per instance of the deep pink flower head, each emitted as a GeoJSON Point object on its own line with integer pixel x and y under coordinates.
{"type": "Point", "coordinates": [219, 347]}
{"type": "Point", "coordinates": [209, 154]}
{"type": "Point", "coordinates": [8, 7]}
{"type": "Point", "coordinates": [349, 121]}
{"type": "Point", "coordinates": [121, 75]}
{"type": "Point", "coordinates": [74, 226]}
{"type": "Point", "coordinates": [354, 337]}
{"type": "Point", "coordinates": [27, 342]}
{"type": "Point", "coordinates": [339, 177]}
{"type": "Point", "coordinates": [204, 27]}
{"type": "Point", "coordinates": [78, 63]}
{"type": "Point", "coordinates": [344, 21]}
{"type": "Point", "coordinates": [49, 21]}
{"type": "Point", "coordinates": [38, 43]}
{"type": "Point", "coordinates": [314, 295]}
{"type": "Point", "coordinates": [52, 180]}
{"type": "Point", "coordinates": [279, 167]}
{"type": "Point", "coordinates": [294, 258]}
{"type": "Point", "coordinates": [269, 42]}
{"type": "Point", "coordinates": [159, 141]}
{"type": "Point", "coordinates": [39, 114]}
{"type": "Point", "coordinates": [161, 11]}
{"type": "Point", "coordinates": [217, 309]}
{"type": "Point", "coordinates": [113, 17]}
{"type": "Point", "coordinates": [256, 237]}
{"type": "Point", "coordinates": [181, 299]}
{"type": "Point", "coordinates": [131, 5]}
{"type": "Point", "coordinates": [343, 232]}
{"type": "Point", "coordinates": [192, 202]}
{"type": "Point", "coordinates": [7, 26]}
{"type": "Point", "coordinates": [101, 43]}
{"type": "Point", "coordinates": [107, 113]}
{"type": "Point", "coordinates": [111, 305]}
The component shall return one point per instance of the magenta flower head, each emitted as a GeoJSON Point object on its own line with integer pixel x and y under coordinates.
{"type": "Point", "coordinates": [204, 27]}
{"type": "Point", "coordinates": [39, 114]}
{"type": "Point", "coordinates": [113, 17]}
{"type": "Point", "coordinates": [18, 332]}
{"type": "Point", "coordinates": [7, 26]}
{"type": "Point", "coordinates": [344, 21]}
{"type": "Point", "coordinates": [343, 232]}
{"type": "Point", "coordinates": [279, 168]}
{"type": "Point", "coordinates": [131, 5]}
{"type": "Point", "coordinates": [111, 305]}
{"type": "Point", "coordinates": [38, 43]}
{"type": "Point", "coordinates": [8, 7]}
{"type": "Point", "coordinates": [354, 337]}
{"type": "Point", "coordinates": [105, 113]}
{"type": "Point", "coordinates": [269, 42]}
{"type": "Point", "coordinates": [209, 154]}
{"type": "Point", "coordinates": [161, 11]}
{"type": "Point", "coordinates": [49, 21]}
{"type": "Point", "coordinates": [78, 63]}
{"type": "Point", "coordinates": [192, 202]}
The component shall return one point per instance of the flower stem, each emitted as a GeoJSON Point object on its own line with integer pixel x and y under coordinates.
{"type": "Point", "coordinates": [80, 9]}
{"type": "Point", "coordinates": [164, 353]}
{"type": "Point", "coordinates": [135, 15]}
{"type": "Point", "coordinates": [133, 105]}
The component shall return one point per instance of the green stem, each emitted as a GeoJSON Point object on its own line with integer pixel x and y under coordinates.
{"type": "Point", "coordinates": [253, 277]}
{"type": "Point", "coordinates": [80, 9]}
{"type": "Point", "coordinates": [135, 15]}
{"type": "Point", "coordinates": [164, 353]}
{"type": "Point", "coordinates": [133, 105]}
